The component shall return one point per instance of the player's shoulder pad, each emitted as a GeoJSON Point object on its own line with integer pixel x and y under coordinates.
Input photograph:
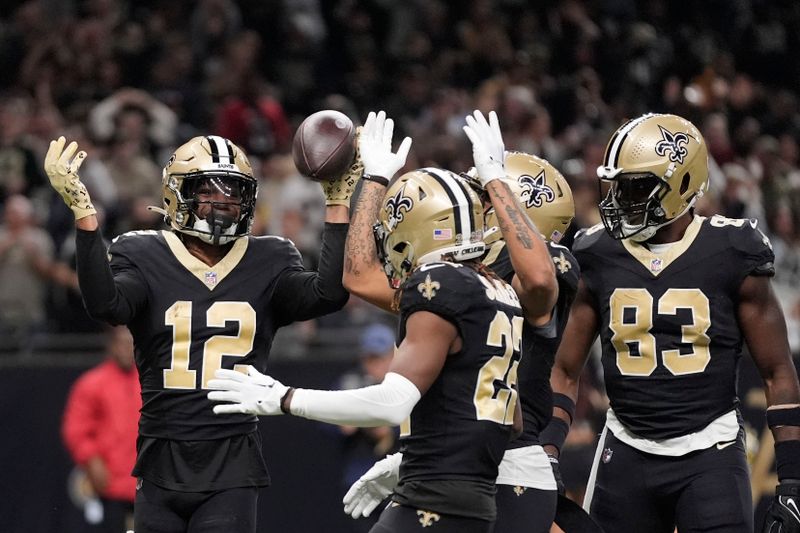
{"type": "Point", "coordinates": [567, 268]}
{"type": "Point", "coordinates": [743, 233]}
{"type": "Point", "coordinates": [439, 285]}
{"type": "Point", "coordinates": [588, 237]}
{"type": "Point", "coordinates": [132, 241]}
{"type": "Point", "coordinates": [746, 237]}
{"type": "Point", "coordinates": [275, 248]}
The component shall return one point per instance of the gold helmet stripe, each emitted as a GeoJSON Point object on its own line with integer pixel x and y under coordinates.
{"type": "Point", "coordinates": [612, 156]}
{"type": "Point", "coordinates": [462, 205]}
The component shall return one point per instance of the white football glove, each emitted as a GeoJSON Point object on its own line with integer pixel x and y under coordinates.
{"type": "Point", "coordinates": [373, 487]}
{"type": "Point", "coordinates": [62, 169]}
{"type": "Point", "coordinates": [488, 150]}
{"type": "Point", "coordinates": [375, 145]}
{"type": "Point", "coordinates": [252, 393]}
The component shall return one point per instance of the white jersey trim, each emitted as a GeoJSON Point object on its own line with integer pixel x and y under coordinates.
{"type": "Point", "coordinates": [723, 429]}
{"type": "Point", "coordinates": [526, 467]}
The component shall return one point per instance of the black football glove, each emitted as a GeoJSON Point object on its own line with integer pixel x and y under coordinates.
{"type": "Point", "coordinates": [783, 515]}
{"type": "Point", "coordinates": [557, 473]}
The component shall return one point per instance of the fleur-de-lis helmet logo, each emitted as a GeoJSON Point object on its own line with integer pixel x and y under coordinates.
{"type": "Point", "coordinates": [397, 206]}
{"type": "Point", "coordinates": [535, 191]}
{"type": "Point", "coordinates": [673, 144]}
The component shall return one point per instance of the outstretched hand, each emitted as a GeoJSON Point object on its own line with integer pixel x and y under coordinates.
{"type": "Point", "coordinates": [375, 146]}
{"type": "Point", "coordinates": [252, 393]}
{"type": "Point", "coordinates": [62, 169]}
{"type": "Point", "coordinates": [488, 150]}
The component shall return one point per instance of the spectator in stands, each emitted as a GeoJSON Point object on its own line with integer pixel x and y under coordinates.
{"type": "Point", "coordinates": [99, 428]}
{"type": "Point", "coordinates": [26, 255]}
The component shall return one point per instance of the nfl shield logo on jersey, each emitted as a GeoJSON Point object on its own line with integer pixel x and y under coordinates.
{"type": "Point", "coordinates": [656, 265]}
{"type": "Point", "coordinates": [606, 457]}
{"type": "Point", "coordinates": [211, 278]}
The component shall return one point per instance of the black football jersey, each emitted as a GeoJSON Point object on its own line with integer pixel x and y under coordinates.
{"type": "Point", "coordinates": [459, 429]}
{"type": "Point", "coordinates": [668, 322]}
{"type": "Point", "coordinates": [191, 319]}
{"type": "Point", "coordinates": [539, 344]}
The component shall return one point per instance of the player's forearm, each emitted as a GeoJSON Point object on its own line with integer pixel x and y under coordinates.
{"type": "Point", "coordinates": [363, 274]}
{"type": "Point", "coordinates": [783, 397]}
{"type": "Point", "coordinates": [562, 381]}
{"type": "Point", "coordinates": [96, 280]}
{"type": "Point", "coordinates": [337, 214]}
{"type": "Point", "coordinates": [388, 403]}
{"type": "Point", "coordinates": [331, 263]}
{"type": "Point", "coordinates": [361, 255]}
{"type": "Point", "coordinates": [87, 223]}
{"type": "Point", "coordinates": [527, 250]}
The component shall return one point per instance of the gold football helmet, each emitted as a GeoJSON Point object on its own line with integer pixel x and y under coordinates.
{"type": "Point", "coordinates": [657, 166]}
{"type": "Point", "coordinates": [542, 191]}
{"type": "Point", "coordinates": [209, 190]}
{"type": "Point", "coordinates": [427, 214]}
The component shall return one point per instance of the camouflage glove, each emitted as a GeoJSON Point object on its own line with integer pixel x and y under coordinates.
{"type": "Point", "coordinates": [62, 169]}
{"type": "Point", "coordinates": [339, 190]}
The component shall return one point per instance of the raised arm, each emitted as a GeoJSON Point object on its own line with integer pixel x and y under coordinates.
{"type": "Point", "coordinates": [535, 276]}
{"type": "Point", "coordinates": [363, 272]}
{"type": "Point", "coordinates": [106, 297]}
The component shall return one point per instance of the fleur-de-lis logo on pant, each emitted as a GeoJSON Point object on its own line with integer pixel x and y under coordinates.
{"type": "Point", "coordinates": [397, 206]}
{"type": "Point", "coordinates": [427, 518]}
{"type": "Point", "coordinates": [535, 191]}
{"type": "Point", "coordinates": [673, 144]}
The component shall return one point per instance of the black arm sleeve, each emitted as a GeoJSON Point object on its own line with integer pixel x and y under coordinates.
{"type": "Point", "coordinates": [303, 294]}
{"type": "Point", "coordinates": [113, 298]}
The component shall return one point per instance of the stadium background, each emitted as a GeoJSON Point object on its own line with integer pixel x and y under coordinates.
{"type": "Point", "coordinates": [130, 80]}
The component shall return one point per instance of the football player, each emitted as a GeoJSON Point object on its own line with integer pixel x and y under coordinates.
{"type": "Point", "coordinates": [527, 492]}
{"type": "Point", "coordinates": [201, 296]}
{"type": "Point", "coordinates": [451, 381]}
{"type": "Point", "coordinates": [672, 296]}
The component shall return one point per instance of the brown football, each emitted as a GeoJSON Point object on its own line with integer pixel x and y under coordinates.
{"type": "Point", "coordinates": [324, 145]}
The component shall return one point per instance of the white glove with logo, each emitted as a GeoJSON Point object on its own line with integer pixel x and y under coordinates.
{"type": "Point", "coordinates": [252, 393]}
{"type": "Point", "coordinates": [62, 169]}
{"type": "Point", "coordinates": [375, 145]}
{"type": "Point", "coordinates": [488, 150]}
{"type": "Point", "coordinates": [373, 487]}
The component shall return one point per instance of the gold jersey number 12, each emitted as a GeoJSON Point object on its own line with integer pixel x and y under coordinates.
{"type": "Point", "coordinates": [179, 316]}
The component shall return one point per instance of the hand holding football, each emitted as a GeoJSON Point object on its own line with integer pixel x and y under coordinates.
{"type": "Point", "coordinates": [323, 146]}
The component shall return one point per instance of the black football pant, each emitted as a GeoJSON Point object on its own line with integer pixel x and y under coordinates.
{"type": "Point", "coordinates": [707, 490]}
{"type": "Point", "coordinates": [159, 510]}
{"type": "Point", "coordinates": [116, 515]}
{"type": "Point", "coordinates": [398, 518]}
{"type": "Point", "coordinates": [524, 510]}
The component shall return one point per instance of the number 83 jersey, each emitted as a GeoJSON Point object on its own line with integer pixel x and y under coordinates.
{"type": "Point", "coordinates": [668, 321]}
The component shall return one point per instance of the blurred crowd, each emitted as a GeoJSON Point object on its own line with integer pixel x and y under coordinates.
{"type": "Point", "coordinates": [131, 80]}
